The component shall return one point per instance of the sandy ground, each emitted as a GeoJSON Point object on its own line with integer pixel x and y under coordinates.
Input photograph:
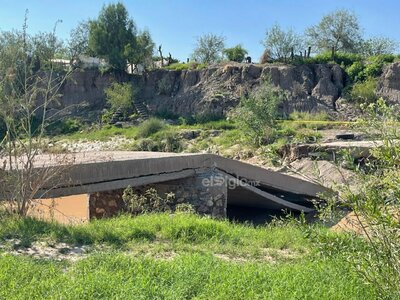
{"type": "Point", "coordinates": [350, 223]}
{"type": "Point", "coordinates": [43, 250]}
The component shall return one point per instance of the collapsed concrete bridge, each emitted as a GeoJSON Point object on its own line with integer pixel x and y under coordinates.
{"type": "Point", "coordinates": [209, 182]}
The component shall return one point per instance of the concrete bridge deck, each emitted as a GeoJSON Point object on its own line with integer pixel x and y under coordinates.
{"type": "Point", "coordinates": [247, 185]}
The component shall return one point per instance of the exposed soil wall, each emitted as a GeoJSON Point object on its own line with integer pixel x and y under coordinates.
{"type": "Point", "coordinates": [214, 90]}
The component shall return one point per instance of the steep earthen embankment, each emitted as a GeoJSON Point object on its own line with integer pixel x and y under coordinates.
{"type": "Point", "coordinates": [213, 90]}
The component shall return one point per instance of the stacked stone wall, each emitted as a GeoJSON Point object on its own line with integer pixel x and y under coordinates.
{"type": "Point", "coordinates": [203, 192]}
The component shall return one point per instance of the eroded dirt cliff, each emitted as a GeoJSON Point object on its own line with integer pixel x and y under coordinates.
{"type": "Point", "coordinates": [389, 83]}
{"type": "Point", "coordinates": [214, 90]}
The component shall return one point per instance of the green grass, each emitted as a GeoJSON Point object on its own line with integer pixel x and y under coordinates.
{"type": "Point", "coordinates": [230, 134]}
{"type": "Point", "coordinates": [193, 276]}
{"type": "Point", "coordinates": [306, 116]}
{"type": "Point", "coordinates": [145, 129]}
{"type": "Point", "coordinates": [211, 125]}
{"type": "Point", "coordinates": [183, 66]}
{"type": "Point", "coordinates": [140, 265]}
{"type": "Point", "coordinates": [179, 228]}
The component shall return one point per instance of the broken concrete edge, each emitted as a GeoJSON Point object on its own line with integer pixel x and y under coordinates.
{"type": "Point", "coordinates": [118, 184]}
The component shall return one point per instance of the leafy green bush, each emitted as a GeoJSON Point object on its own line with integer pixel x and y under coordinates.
{"type": "Point", "coordinates": [364, 91]}
{"type": "Point", "coordinates": [106, 116]}
{"type": "Point", "coordinates": [357, 68]}
{"type": "Point", "coordinates": [236, 53]}
{"type": "Point", "coordinates": [120, 97]}
{"type": "Point", "coordinates": [291, 132]}
{"type": "Point", "coordinates": [184, 66]}
{"type": "Point", "coordinates": [346, 59]}
{"type": "Point", "coordinates": [256, 114]}
{"type": "Point", "coordinates": [373, 69]}
{"type": "Point", "coordinates": [375, 64]}
{"type": "Point", "coordinates": [148, 202]}
{"type": "Point", "coordinates": [356, 71]}
{"type": "Point", "coordinates": [386, 58]}
{"type": "Point", "coordinates": [65, 126]}
{"type": "Point", "coordinates": [341, 58]}
{"type": "Point", "coordinates": [149, 127]}
{"type": "Point", "coordinates": [184, 208]}
{"type": "Point", "coordinates": [177, 66]}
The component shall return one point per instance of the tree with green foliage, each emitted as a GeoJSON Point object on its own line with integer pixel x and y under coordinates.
{"type": "Point", "coordinates": [237, 53]}
{"type": "Point", "coordinates": [257, 114]}
{"type": "Point", "coordinates": [140, 50]}
{"type": "Point", "coordinates": [46, 47]}
{"type": "Point", "coordinates": [110, 33]}
{"type": "Point", "coordinates": [209, 48]}
{"type": "Point", "coordinates": [281, 43]}
{"type": "Point", "coordinates": [78, 43]}
{"type": "Point", "coordinates": [119, 97]}
{"type": "Point", "coordinates": [378, 46]}
{"type": "Point", "coordinates": [339, 30]}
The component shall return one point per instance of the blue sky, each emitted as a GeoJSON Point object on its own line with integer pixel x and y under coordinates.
{"type": "Point", "coordinates": [176, 23]}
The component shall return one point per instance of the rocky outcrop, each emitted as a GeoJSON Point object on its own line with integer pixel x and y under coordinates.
{"type": "Point", "coordinates": [214, 90]}
{"type": "Point", "coordinates": [389, 83]}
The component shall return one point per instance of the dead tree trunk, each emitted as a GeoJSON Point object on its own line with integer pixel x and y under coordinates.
{"type": "Point", "coordinates": [169, 58]}
{"type": "Point", "coordinates": [162, 58]}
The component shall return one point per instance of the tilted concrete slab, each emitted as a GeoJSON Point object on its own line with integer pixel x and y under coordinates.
{"type": "Point", "coordinates": [269, 178]}
{"type": "Point", "coordinates": [257, 198]}
{"type": "Point", "coordinates": [105, 171]}
{"type": "Point", "coordinates": [133, 166]}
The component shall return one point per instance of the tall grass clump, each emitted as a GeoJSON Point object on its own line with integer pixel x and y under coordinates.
{"type": "Point", "coordinates": [149, 127]}
{"type": "Point", "coordinates": [364, 91]}
{"type": "Point", "coordinates": [306, 116]}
